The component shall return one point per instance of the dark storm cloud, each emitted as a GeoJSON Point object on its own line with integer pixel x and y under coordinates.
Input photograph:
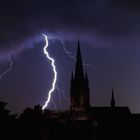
{"type": "Point", "coordinates": [22, 21]}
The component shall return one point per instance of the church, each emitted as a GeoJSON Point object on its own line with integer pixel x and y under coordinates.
{"type": "Point", "coordinates": [85, 122]}
{"type": "Point", "coordinates": [80, 108]}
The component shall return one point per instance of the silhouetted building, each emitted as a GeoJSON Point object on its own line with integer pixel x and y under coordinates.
{"type": "Point", "coordinates": [79, 91]}
{"type": "Point", "coordinates": [80, 108]}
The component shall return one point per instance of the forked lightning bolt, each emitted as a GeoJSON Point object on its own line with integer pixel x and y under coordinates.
{"type": "Point", "coordinates": [54, 71]}
{"type": "Point", "coordinates": [9, 69]}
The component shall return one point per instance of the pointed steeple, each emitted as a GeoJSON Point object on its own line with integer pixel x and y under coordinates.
{"type": "Point", "coordinates": [112, 99]}
{"type": "Point", "coordinates": [79, 90]}
{"type": "Point", "coordinates": [79, 72]}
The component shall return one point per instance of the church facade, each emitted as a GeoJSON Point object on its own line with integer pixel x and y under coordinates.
{"type": "Point", "coordinates": [80, 108]}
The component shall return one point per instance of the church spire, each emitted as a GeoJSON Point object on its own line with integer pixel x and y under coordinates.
{"type": "Point", "coordinates": [112, 99]}
{"type": "Point", "coordinates": [79, 73]}
{"type": "Point", "coordinates": [79, 91]}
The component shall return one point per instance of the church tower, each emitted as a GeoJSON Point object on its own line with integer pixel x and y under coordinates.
{"type": "Point", "coordinates": [79, 91]}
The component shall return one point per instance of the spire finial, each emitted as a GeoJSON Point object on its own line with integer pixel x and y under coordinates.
{"type": "Point", "coordinates": [79, 73]}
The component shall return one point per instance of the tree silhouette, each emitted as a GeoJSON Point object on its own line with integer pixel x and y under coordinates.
{"type": "Point", "coordinates": [5, 113]}
{"type": "Point", "coordinates": [31, 114]}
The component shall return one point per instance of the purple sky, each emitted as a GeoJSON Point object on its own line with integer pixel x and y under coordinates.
{"type": "Point", "coordinates": [109, 33]}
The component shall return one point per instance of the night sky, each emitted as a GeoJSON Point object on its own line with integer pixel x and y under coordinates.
{"type": "Point", "coordinates": [109, 34]}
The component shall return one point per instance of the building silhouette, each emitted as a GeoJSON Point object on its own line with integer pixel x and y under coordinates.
{"type": "Point", "coordinates": [108, 122]}
{"type": "Point", "coordinates": [79, 90]}
{"type": "Point", "coordinates": [80, 108]}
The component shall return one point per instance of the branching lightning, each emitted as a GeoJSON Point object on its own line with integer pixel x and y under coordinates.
{"type": "Point", "coordinates": [70, 54]}
{"type": "Point", "coordinates": [9, 69]}
{"type": "Point", "coordinates": [59, 93]}
{"type": "Point", "coordinates": [60, 90]}
{"type": "Point", "coordinates": [54, 104]}
{"type": "Point", "coordinates": [54, 71]}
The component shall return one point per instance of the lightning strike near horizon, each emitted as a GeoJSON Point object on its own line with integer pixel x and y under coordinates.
{"type": "Point", "coordinates": [54, 71]}
{"type": "Point", "coordinates": [8, 70]}
{"type": "Point", "coordinates": [69, 53]}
